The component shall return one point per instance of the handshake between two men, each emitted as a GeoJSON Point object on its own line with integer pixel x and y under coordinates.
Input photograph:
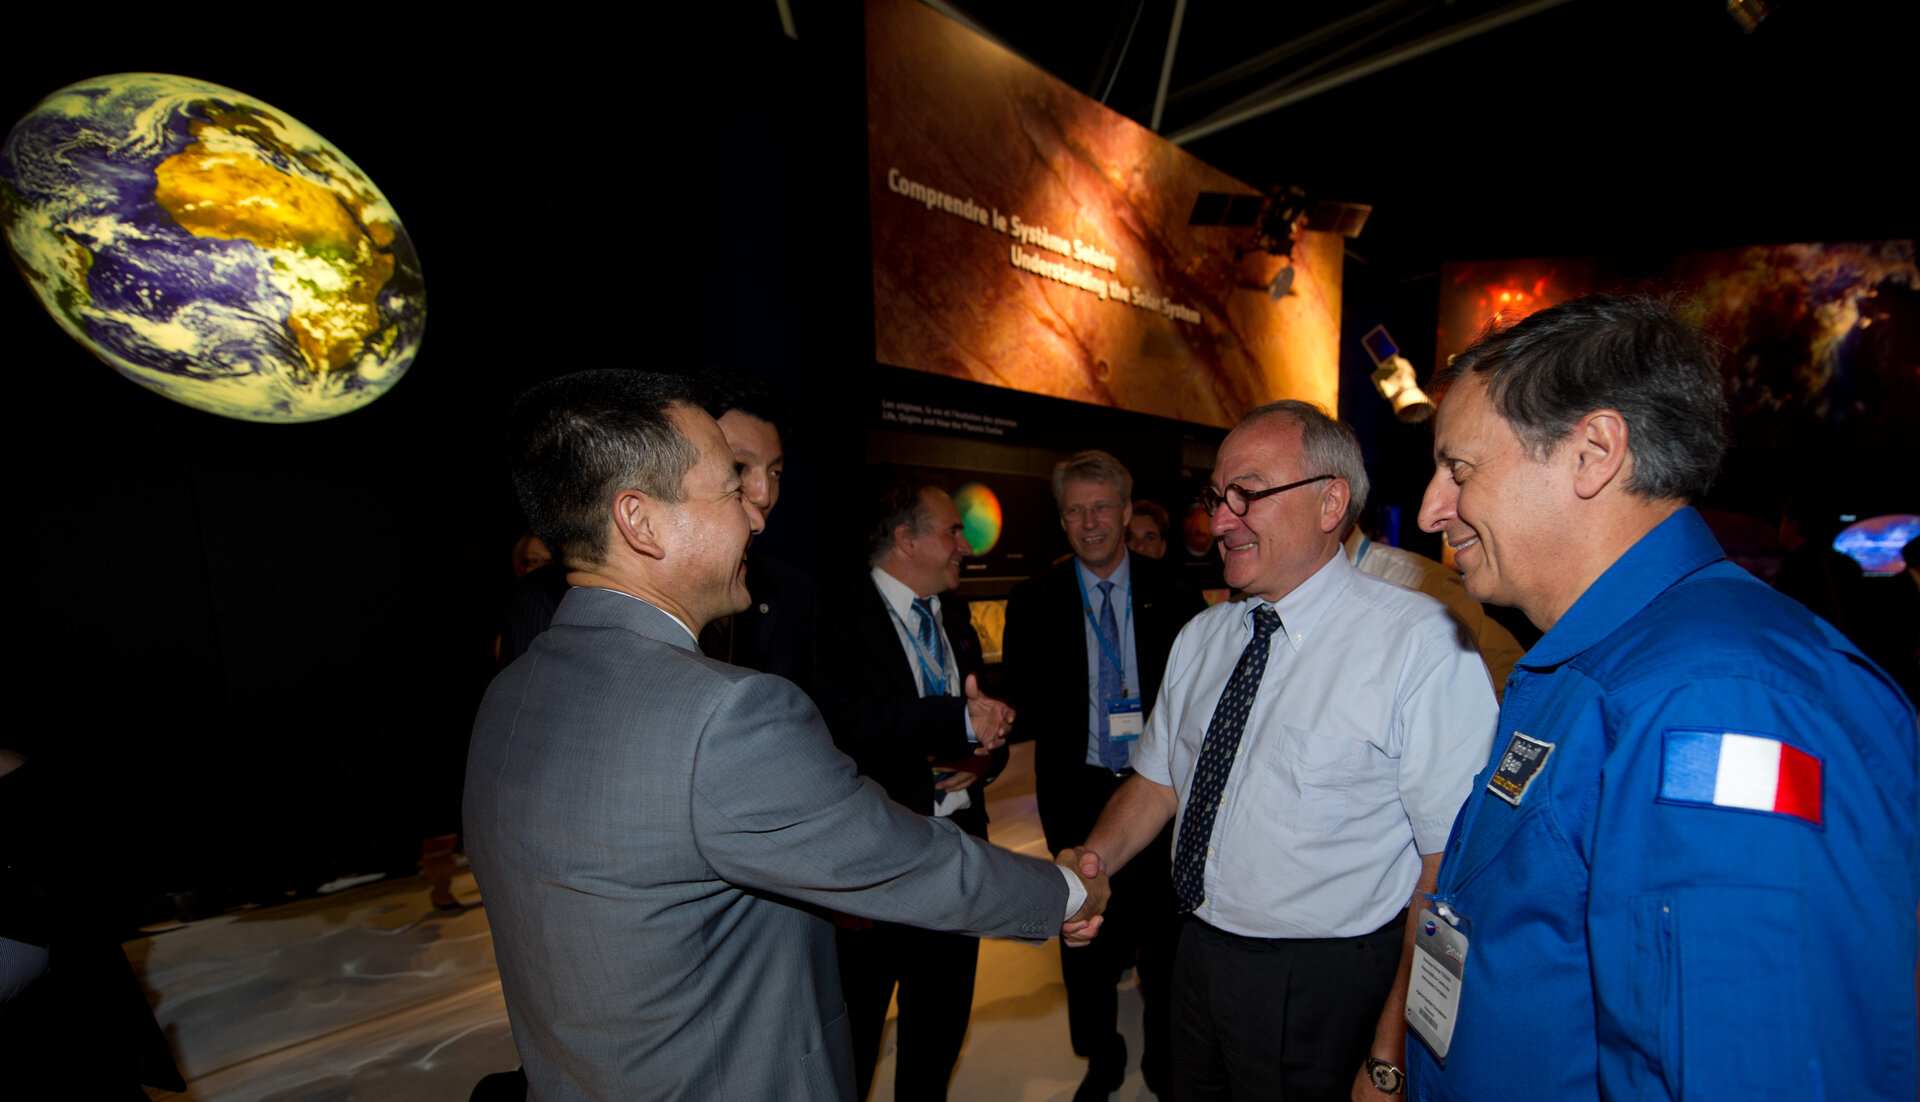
{"type": "Point", "coordinates": [1085, 923]}
{"type": "Point", "coordinates": [990, 719]}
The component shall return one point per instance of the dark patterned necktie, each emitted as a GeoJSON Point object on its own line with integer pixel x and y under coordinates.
{"type": "Point", "coordinates": [1216, 760]}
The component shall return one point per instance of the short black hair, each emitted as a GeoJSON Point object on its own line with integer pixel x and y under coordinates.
{"type": "Point", "coordinates": [1629, 354]}
{"type": "Point", "coordinates": [724, 389]}
{"type": "Point", "coordinates": [577, 440]}
{"type": "Point", "coordinates": [903, 501]}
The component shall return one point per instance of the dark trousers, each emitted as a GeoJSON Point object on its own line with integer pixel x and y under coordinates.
{"type": "Point", "coordinates": [1139, 931]}
{"type": "Point", "coordinates": [1286, 1018]}
{"type": "Point", "coordinates": [934, 972]}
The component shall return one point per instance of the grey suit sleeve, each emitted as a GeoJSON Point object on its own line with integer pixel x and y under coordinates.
{"type": "Point", "coordinates": [778, 809]}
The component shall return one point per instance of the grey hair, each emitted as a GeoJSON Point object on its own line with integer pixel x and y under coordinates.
{"type": "Point", "coordinates": [1550, 369]}
{"type": "Point", "coordinates": [1330, 447]}
{"type": "Point", "coordinates": [900, 502]}
{"type": "Point", "coordinates": [1091, 466]}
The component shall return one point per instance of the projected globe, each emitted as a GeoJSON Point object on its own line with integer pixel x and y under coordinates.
{"type": "Point", "coordinates": [211, 248]}
{"type": "Point", "coordinates": [980, 515]}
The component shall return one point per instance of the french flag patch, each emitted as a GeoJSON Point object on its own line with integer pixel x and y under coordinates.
{"type": "Point", "coordinates": [1751, 772]}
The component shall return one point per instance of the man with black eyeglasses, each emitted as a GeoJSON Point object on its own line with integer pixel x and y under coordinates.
{"type": "Point", "coordinates": [1311, 744]}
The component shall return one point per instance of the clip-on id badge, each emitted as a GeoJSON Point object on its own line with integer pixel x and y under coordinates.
{"type": "Point", "coordinates": [1125, 720]}
{"type": "Point", "coordinates": [1433, 991]}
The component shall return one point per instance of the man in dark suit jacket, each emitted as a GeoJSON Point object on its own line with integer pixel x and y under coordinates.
{"type": "Point", "coordinates": [656, 833]}
{"type": "Point", "coordinates": [901, 694]}
{"type": "Point", "coordinates": [776, 632]}
{"type": "Point", "coordinates": [779, 631]}
{"type": "Point", "coordinates": [1054, 661]}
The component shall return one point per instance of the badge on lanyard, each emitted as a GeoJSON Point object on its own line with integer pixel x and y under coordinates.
{"type": "Point", "coordinates": [1433, 991]}
{"type": "Point", "coordinates": [1522, 762]}
{"type": "Point", "coordinates": [1125, 720]}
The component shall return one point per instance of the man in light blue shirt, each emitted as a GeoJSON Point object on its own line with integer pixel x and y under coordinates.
{"type": "Point", "coordinates": [1312, 744]}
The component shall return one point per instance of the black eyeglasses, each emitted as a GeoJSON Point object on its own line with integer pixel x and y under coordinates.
{"type": "Point", "coordinates": [1238, 497]}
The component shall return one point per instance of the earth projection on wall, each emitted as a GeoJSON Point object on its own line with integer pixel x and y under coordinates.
{"type": "Point", "coordinates": [211, 248]}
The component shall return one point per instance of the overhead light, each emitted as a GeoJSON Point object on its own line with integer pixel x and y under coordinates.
{"type": "Point", "coordinates": [1395, 382]}
{"type": "Point", "coordinates": [1393, 377]}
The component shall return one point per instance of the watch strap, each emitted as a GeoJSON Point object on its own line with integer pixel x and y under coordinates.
{"type": "Point", "coordinates": [1387, 1079]}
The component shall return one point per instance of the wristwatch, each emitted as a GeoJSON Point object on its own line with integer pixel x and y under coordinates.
{"type": "Point", "coordinates": [1387, 1079]}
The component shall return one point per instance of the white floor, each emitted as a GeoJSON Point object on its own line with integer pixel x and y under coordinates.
{"type": "Point", "coordinates": [371, 995]}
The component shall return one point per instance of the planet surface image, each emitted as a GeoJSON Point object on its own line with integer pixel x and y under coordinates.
{"type": "Point", "coordinates": [211, 247]}
{"type": "Point", "coordinates": [980, 515]}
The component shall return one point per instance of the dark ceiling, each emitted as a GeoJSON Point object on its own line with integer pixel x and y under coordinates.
{"type": "Point", "coordinates": [1537, 129]}
{"type": "Point", "coordinates": [1540, 127]}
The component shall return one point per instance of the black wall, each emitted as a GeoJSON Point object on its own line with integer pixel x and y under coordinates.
{"type": "Point", "coordinates": [266, 642]}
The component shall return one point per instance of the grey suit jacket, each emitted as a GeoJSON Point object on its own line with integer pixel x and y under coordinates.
{"type": "Point", "coordinates": [649, 828]}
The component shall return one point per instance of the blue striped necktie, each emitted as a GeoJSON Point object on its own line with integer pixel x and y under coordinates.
{"type": "Point", "coordinates": [1113, 755]}
{"type": "Point", "coordinates": [936, 646]}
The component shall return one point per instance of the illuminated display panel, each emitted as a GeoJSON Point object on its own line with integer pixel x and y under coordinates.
{"type": "Point", "coordinates": [1025, 236]}
{"type": "Point", "coordinates": [1817, 345]}
{"type": "Point", "coordinates": [1875, 543]}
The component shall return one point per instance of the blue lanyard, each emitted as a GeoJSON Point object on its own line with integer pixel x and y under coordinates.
{"type": "Point", "coordinates": [936, 684]}
{"type": "Point", "coordinates": [1106, 648]}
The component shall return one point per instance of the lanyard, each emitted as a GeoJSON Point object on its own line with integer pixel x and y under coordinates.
{"type": "Point", "coordinates": [1106, 646]}
{"type": "Point", "coordinates": [935, 684]}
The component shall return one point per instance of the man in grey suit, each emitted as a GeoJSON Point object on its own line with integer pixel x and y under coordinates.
{"type": "Point", "coordinates": [656, 833]}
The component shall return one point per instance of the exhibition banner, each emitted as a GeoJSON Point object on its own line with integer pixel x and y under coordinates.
{"type": "Point", "coordinates": [1025, 236]}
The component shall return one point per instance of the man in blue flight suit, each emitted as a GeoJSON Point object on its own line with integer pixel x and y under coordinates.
{"type": "Point", "coordinates": [1689, 868]}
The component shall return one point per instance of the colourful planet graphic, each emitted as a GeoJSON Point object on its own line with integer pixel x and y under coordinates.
{"type": "Point", "coordinates": [1876, 543]}
{"type": "Point", "coordinates": [211, 247]}
{"type": "Point", "coordinates": [980, 514]}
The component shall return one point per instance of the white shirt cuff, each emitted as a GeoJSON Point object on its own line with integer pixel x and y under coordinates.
{"type": "Point", "coordinates": [1076, 891]}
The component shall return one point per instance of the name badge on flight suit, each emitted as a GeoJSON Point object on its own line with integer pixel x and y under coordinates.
{"type": "Point", "coordinates": [1522, 762]}
{"type": "Point", "coordinates": [1433, 990]}
{"type": "Point", "coordinates": [1125, 720]}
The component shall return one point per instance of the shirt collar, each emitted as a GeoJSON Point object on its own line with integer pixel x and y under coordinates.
{"type": "Point", "coordinates": [898, 595]}
{"type": "Point", "coordinates": [1122, 576]}
{"type": "Point", "coordinates": [1303, 609]}
{"type": "Point", "coordinates": [656, 608]}
{"type": "Point", "coordinates": [1677, 546]}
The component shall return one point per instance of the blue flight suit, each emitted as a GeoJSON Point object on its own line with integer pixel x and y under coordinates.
{"type": "Point", "coordinates": [1625, 947]}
